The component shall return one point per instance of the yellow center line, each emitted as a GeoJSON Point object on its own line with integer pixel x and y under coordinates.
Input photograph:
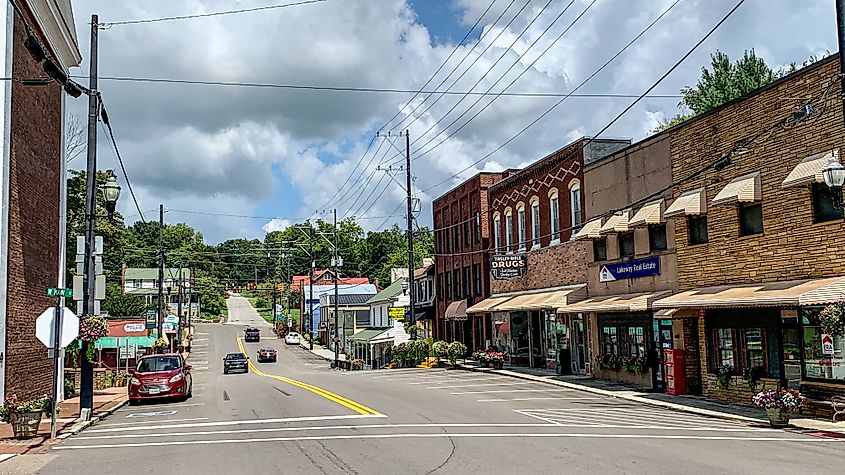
{"type": "Point", "coordinates": [345, 402]}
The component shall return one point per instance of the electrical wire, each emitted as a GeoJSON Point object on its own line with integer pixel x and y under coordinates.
{"type": "Point", "coordinates": [110, 134]}
{"type": "Point", "coordinates": [110, 24]}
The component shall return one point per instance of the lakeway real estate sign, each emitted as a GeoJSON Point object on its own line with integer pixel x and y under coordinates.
{"type": "Point", "coordinates": [630, 269]}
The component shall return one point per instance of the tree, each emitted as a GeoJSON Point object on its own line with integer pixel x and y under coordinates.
{"type": "Point", "coordinates": [212, 295]}
{"type": "Point", "coordinates": [119, 304]}
{"type": "Point", "coordinates": [75, 138]}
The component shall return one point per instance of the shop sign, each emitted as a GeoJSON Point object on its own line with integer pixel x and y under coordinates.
{"type": "Point", "coordinates": [630, 269]}
{"type": "Point", "coordinates": [169, 327]}
{"type": "Point", "coordinates": [150, 321]}
{"type": "Point", "coordinates": [171, 319]}
{"type": "Point", "coordinates": [508, 266]}
{"type": "Point", "coordinates": [133, 327]}
{"type": "Point", "coordinates": [827, 345]}
{"type": "Point", "coordinates": [396, 313]}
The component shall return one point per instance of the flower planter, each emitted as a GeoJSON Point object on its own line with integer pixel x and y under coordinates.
{"type": "Point", "coordinates": [778, 418]}
{"type": "Point", "coordinates": [497, 364]}
{"type": "Point", "coordinates": [25, 424]}
{"type": "Point", "coordinates": [485, 364]}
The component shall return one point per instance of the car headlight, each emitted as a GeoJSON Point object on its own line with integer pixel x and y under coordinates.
{"type": "Point", "coordinates": [176, 378]}
{"type": "Point", "coordinates": [135, 382]}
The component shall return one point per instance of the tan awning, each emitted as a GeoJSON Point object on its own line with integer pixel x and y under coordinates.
{"type": "Point", "coordinates": [618, 223]}
{"type": "Point", "coordinates": [457, 310]}
{"type": "Point", "coordinates": [615, 303]}
{"type": "Point", "coordinates": [791, 293]}
{"type": "Point", "coordinates": [549, 299]}
{"type": "Point", "coordinates": [651, 213]}
{"type": "Point", "coordinates": [489, 304]}
{"type": "Point", "coordinates": [745, 189]}
{"type": "Point", "coordinates": [809, 170]}
{"type": "Point", "coordinates": [691, 202]}
{"type": "Point", "coordinates": [590, 230]}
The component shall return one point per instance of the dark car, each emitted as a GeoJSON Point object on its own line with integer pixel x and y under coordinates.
{"type": "Point", "coordinates": [252, 334]}
{"type": "Point", "coordinates": [266, 354]}
{"type": "Point", "coordinates": [234, 362]}
{"type": "Point", "coordinates": [160, 376]}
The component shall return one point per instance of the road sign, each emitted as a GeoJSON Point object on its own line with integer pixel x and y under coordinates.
{"type": "Point", "coordinates": [45, 323]}
{"type": "Point", "coordinates": [827, 345]}
{"type": "Point", "coordinates": [54, 292]}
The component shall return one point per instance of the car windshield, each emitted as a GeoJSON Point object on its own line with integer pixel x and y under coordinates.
{"type": "Point", "coordinates": [266, 350]}
{"type": "Point", "coordinates": [158, 363]}
{"type": "Point", "coordinates": [235, 356]}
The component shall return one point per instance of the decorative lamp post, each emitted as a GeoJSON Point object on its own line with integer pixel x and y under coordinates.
{"type": "Point", "coordinates": [834, 177]}
{"type": "Point", "coordinates": [111, 192]}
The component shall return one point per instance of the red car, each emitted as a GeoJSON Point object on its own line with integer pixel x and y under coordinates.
{"type": "Point", "coordinates": [160, 376]}
{"type": "Point", "coordinates": [267, 354]}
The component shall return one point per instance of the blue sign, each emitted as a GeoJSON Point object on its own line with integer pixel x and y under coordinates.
{"type": "Point", "coordinates": [630, 269]}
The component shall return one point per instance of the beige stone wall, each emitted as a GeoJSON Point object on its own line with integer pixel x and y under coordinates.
{"type": "Point", "coordinates": [553, 266]}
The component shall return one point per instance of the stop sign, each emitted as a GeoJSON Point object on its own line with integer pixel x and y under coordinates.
{"type": "Point", "coordinates": [45, 324]}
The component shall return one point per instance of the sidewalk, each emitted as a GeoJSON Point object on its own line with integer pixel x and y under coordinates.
{"type": "Point", "coordinates": [106, 401]}
{"type": "Point", "coordinates": [323, 352]}
{"type": "Point", "coordinates": [691, 404]}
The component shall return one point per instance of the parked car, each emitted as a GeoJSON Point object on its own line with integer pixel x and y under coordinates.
{"type": "Point", "coordinates": [160, 376]}
{"type": "Point", "coordinates": [266, 354]}
{"type": "Point", "coordinates": [292, 338]}
{"type": "Point", "coordinates": [235, 362]}
{"type": "Point", "coordinates": [252, 334]}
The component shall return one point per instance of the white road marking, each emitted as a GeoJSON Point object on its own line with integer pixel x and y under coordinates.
{"type": "Point", "coordinates": [198, 362]}
{"type": "Point", "coordinates": [198, 339]}
{"type": "Point", "coordinates": [410, 373]}
{"type": "Point", "coordinates": [458, 435]}
{"type": "Point", "coordinates": [455, 380]}
{"type": "Point", "coordinates": [152, 414]}
{"type": "Point", "coordinates": [539, 399]}
{"type": "Point", "coordinates": [477, 385]}
{"type": "Point", "coordinates": [151, 422]}
{"type": "Point", "coordinates": [235, 423]}
{"type": "Point", "coordinates": [518, 391]}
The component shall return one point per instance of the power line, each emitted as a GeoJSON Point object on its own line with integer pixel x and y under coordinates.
{"type": "Point", "coordinates": [308, 87]}
{"type": "Point", "coordinates": [110, 24]}
{"type": "Point", "coordinates": [344, 197]}
{"type": "Point", "coordinates": [105, 120]}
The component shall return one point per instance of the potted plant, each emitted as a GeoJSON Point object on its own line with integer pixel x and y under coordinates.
{"type": "Point", "coordinates": [832, 319]}
{"type": "Point", "coordinates": [356, 364]}
{"type": "Point", "coordinates": [25, 416]}
{"type": "Point", "coordinates": [456, 350]}
{"type": "Point", "coordinates": [497, 359]}
{"type": "Point", "coordinates": [723, 375]}
{"type": "Point", "coordinates": [481, 357]}
{"type": "Point", "coordinates": [440, 349]}
{"type": "Point", "coordinates": [159, 345]}
{"type": "Point", "coordinates": [752, 375]}
{"type": "Point", "coordinates": [779, 405]}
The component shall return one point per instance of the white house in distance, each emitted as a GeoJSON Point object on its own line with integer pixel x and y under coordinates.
{"type": "Point", "coordinates": [384, 331]}
{"type": "Point", "coordinates": [143, 281]}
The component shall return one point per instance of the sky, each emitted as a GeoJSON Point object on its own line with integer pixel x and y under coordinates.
{"type": "Point", "coordinates": [236, 161]}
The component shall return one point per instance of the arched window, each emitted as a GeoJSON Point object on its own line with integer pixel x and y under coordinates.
{"type": "Point", "coordinates": [497, 233]}
{"type": "Point", "coordinates": [535, 222]}
{"type": "Point", "coordinates": [520, 225]}
{"type": "Point", "coordinates": [554, 215]}
{"type": "Point", "coordinates": [575, 205]}
{"type": "Point", "coordinates": [508, 229]}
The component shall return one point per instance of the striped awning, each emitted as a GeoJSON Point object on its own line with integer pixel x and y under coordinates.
{"type": "Point", "coordinates": [457, 310]}
{"type": "Point", "coordinates": [651, 213]}
{"type": "Point", "coordinates": [691, 202]}
{"type": "Point", "coordinates": [809, 170]}
{"type": "Point", "coordinates": [489, 304]}
{"type": "Point", "coordinates": [546, 299]}
{"type": "Point", "coordinates": [591, 230]}
{"type": "Point", "coordinates": [615, 303]}
{"type": "Point", "coordinates": [618, 223]}
{"type": "Point", "coordinates": [792, 293]}
{"type": "Point", "coordinates": [745, 189]}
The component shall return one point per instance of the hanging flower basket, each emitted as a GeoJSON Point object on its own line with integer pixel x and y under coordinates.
{"type": "Point", "coordinates": [832, 319]}
{"type": "Point", "coordinates": [93, 328]}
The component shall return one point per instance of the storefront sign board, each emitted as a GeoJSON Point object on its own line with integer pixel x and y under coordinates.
{"type": "Point", "coordinates": [396, 312]}
{"type": "Point", "coordinates": [508, 266]}
{"type": "Point", "coordinates": [630, 269]}
{"type": "Point", "coordinates": [827, 345]}
{"type": "Point", "coordinates": [133, 327]}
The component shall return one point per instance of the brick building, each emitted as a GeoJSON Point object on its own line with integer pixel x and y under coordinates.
{"type": "Point", "coordinates": [760, 242]}
{"type": "Point", "coordinates": [533, 213]}
{"type": "Point", "coordinates": [32, 185]}
{"type": "Point", "coordinates": [462, 259]}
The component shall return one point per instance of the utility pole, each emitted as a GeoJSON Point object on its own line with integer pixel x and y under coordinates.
{"type": "Point", "coordinates": [840, 34]}
{"type": "Point", "coordinates": [311, 291]}
{"type": "Point", "coordinates": [179, 309]}
{"type": "Point", "coordinates": [336, 264]}
{"type": "Point", "coordinates": [86, 390]}
{"type": "Point", "coordinates": [160, 322]}
{"type": "Point", "coordinates": [412, 318]}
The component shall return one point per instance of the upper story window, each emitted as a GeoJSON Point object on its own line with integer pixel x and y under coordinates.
{"type": "Point", "coordinates": [626, 244]}
{"type": "Point", "coordinates": [508, 230]}
{"type": "Point", "coordinates": [456, 236]}
{"type": "Point", "coordinates": [497, 233]}
{"type": "Point", "coordinates": [575, 204]}
{"type": "Point", "coordinates": [535, 222]}
{"type": "Point", "coordinates": [750, 219]}
{"type": "Point", "coordinates": [466, 232]}
{"type": "Point", "coordinates": [136, 283]}
{"type": "Point", "coordinates": [600, 249]}
{"type": "Point", "coordinates": [477, 223]}
{"type": "Point", "coordinates": [657, 237]}
{"type": "Point", "coordinates": [554, 215]}
{"type": "Point", "coordinates": [697, 226]}
{"type": "Point", "coordinates": [520, 225]}
{"type": "Point", "coordinates": [447, 284]}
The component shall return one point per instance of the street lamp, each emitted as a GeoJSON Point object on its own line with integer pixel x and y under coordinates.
{"type": "Point", "coordinates": [111, 192]}
{"type": "Point", "coordinates": [834, 177]}
{"type": "Point", "coordinates": [404, 287]}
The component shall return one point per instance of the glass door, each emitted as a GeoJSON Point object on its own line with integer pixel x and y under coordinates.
{"type": "Point", "coordinates": [578, 344]}
{"type": "Point", "coordinates": [662, 341]}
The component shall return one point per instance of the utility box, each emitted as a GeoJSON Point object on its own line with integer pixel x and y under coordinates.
{"type": "Point", "coordinates": [676, 375]}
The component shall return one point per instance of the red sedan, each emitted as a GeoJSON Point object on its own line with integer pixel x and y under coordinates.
{"type": "Point", "coordinates": [266, 354]}
{"type": "Point", "coordinates": [160, 376]}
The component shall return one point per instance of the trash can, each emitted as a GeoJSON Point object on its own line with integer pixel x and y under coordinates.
{"type": "Point", "coordinates": [564, 361]}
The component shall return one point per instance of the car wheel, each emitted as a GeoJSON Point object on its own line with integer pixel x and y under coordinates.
{"type": "Point", "coordinates": [225, 371]}
{"type": "Point", "coordinates": [133, 402]}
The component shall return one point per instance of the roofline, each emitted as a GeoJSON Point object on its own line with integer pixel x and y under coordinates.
{"type": "Point", "coordinates": [539, 162]}
{"type": "Point", "coordinates": [476, 176]}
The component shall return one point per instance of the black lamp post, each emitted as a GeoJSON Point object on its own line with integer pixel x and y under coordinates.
{"type": "Point", "coordinates": [834, 177]}
{"type": "Point", "coordinates": [111, 192]}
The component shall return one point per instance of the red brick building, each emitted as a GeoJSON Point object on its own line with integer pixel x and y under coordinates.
{"type": "Point", "coordinates": [462, 259]}
{"type": "Point", "coordinates": [31, 184]}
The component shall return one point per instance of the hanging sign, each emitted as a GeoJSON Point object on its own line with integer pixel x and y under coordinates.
{"type": "Point", "coordinates": [396, 313]}
{"type": "Point", "coordinates": [133, 327]}
{"type": "Point", "coordinates": [508, 266]}
{"type": "Point", "coordinates": [630, 269]}
{"type": "Point", "coordinates": [827, 345]}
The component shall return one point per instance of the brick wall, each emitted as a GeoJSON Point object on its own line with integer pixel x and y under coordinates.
{"type": "Point", "coordinates": [561, 264]}
{"type": "Point", "coordinates": [34, 188]}
{"type": "Point", "coordinates": [792, 246]}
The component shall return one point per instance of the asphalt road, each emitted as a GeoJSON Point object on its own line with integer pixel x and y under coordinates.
{"type": "Point", "coordinates": [298, 416]}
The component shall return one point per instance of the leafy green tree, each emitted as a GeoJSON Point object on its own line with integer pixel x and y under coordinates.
{"type": "Point", "coordinates": [119, 304]}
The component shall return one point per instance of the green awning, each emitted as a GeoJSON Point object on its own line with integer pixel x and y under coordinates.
{"type": "Point", "coordinates": [368, 334]}
{"type": "Point", "coordinates": [121, 342]}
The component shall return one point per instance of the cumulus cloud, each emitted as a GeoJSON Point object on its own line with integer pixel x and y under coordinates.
{"type": "Point", "coordinates": [276, 224]}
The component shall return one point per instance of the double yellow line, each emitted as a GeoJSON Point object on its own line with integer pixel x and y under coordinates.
{"type": "Point", "coordinates": [345, 402]}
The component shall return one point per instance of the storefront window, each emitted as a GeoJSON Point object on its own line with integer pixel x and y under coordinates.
{"type": "Point", "coordinates": [609, 340]}
{"type": "Point", "coordinates": [636, 341]}
{"type": "Point", "coordinates": [819, 361]}
{"type": "Point", "coordinates": [725, 342]}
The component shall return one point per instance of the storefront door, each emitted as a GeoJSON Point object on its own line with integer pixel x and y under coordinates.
{"type": "Point", "coordinates": [578, 344]}
{"type": "Point", "coordinates": [662, 341]}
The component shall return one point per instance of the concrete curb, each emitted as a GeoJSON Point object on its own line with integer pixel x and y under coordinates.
{"type": "Point", "coordinates": [80, 426]}
{"type": "Point", "coordinates": [4, 457]}
{"type": "Point", "coordinates": [628, 396]}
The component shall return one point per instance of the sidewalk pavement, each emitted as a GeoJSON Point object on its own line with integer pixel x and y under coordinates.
{"type": "Point", "coordinates": [685, 403]}
{"type": "Point", "coordinates": [323, 352]}
{"type": "Point", "coordinates": [106, 401]}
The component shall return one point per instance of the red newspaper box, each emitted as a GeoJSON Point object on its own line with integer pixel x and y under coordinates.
{"type": "Point", "coordinates": [676, 376]}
